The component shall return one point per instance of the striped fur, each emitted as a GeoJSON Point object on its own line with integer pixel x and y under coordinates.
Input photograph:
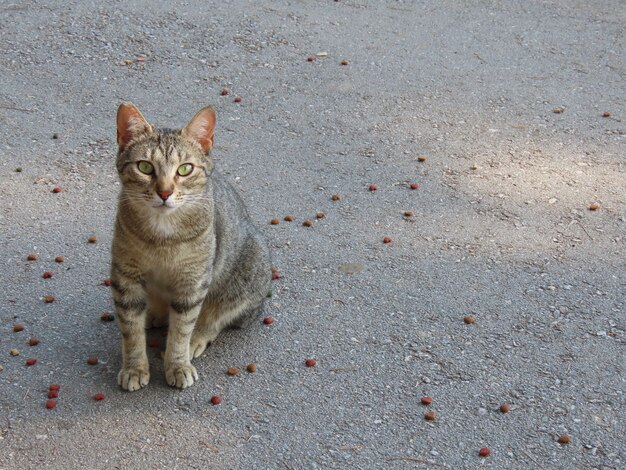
{"type": "Point", "coordinates": [193, 260]}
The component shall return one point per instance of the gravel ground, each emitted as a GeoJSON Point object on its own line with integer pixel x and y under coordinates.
{"type": "Point", "coordinates": [506, 101]}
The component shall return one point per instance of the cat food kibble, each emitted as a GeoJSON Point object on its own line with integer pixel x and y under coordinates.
{"type": "Point", "coordinates": [92, 239]}
{"type": "Point", "coordinates": [430, 415]}
{"type": "Point", "coordinates": [344, 62]}
{"type": "Point", "coordinates": [558, 110]}
{"type": "Point", "coordinates": [421, 158]}
{"type": "Point", "coordinates": [107, 316]}
{"type": "Point", "coordinates": [31, 361]}
{"type": "Point", "coordinates": [51, 404]}
{"type": "Point", "coordinates": [373, 187]}
{"type": "Point", "coordinates": [310, 59]}
{"type": "Point", "coordinates": [92, 361]}
{"type": "Point", "coordinates": [53, 394]}
{"type": "Point", "coordinates": [232, 371]}
{"type": "Point", "coordinates": [414, 186]}
{"type": "Point", "coordinates": [107, 282]}
{"type": "Point", "coordinates": [594, 207]}
{"type": "Point", "coordinates": [33, 342]}
{"type": "Point", "coordinates": [426, 400]}
{"type": "Point", "coordinates": [14, 352]}
{"type": "Point", "coordinates": [216, 400]}
{"type": "Point", "coordinates": [606, 114]}
{"type": "Point", "coordinates": [224, 92]}
{"type": "Point", "coordinates": [484, 452]}
{"type": "Point", "coordinates": [505, 408]}
{"type": "Point", "coordinates": [251, 368]}
{"type": "Point", "coordinates": [18, 328]}
{"type": "Point", "coordinates": [335, 197]}
{"type": "Point", "coordinates": [237, 100]}
{"type": "Point", "coordinates": [55, 387]}
{"type": "Point", "coordinates": [153, 342]}
{"type": "Point", "coordinates": [268, 320]}
{"type": "Point", "coordinates": [98, 396]}
{"type": "Point", "coordinates": [59, 259]}
{"type": "Point", "coordinates": [565, 439]}
{"type": "Point", "coordinates": [48, 299]}
{"type": "Point", "coordinates": [276, 276]}
{"type": "Point", "coordinates": [47, 275]}
{"type": "Point", "coordinates": [408, 214]}
{"type": "Point", "coordinates": [274, 221]}
{"type": "Point", "coordinates": [469, 319]}
{"type": "Point", "coordinates": [310, 362]}
{"type": "Point", "coordinates": [56, 190]}
{"type": "Point", "coordinates": [307, 223]}
{"type": "Point", "coordinates": [289, 218]}
{"type": "Point", "coordinates": [32, 257]}
{"type": "Point", "coordinates": [320, 215]}
{"type": "Point", "coordinates": [274, 269]}
{"type": "Point", "coordinates": [387, 240]}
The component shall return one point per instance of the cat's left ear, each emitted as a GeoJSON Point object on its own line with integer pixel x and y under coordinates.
{"type": "Point", "coordinates": [201, 128]}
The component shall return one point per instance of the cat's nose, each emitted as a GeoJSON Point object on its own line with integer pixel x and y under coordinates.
{"type": "Point", "coordinates": [164, 194]}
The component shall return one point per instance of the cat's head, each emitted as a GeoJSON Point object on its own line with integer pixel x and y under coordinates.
{"type": "Point", "coordinates": [163, 171]}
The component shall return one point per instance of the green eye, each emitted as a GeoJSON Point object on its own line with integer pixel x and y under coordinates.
{"type": "Point", "coordinates": [145, 167]}
{"type": "Point", "coordinates": [185, 169]}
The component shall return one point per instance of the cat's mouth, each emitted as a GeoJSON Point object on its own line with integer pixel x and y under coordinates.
{"type": "Point", "coordinates": [163, 207]}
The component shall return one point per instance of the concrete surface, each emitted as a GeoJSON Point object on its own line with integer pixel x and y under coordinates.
{"type": "Point", "coordinates": [501, 230]}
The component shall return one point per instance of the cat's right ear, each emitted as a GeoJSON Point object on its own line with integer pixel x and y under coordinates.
{"type": "Point", "coordinates": [130, 125]}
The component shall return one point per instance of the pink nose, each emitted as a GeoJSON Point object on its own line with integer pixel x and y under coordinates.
{"type": "Point", "coordinates": [164, 194]}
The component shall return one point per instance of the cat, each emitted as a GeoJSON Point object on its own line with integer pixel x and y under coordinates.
{"type": "Point", "coordinates": [185, 251]}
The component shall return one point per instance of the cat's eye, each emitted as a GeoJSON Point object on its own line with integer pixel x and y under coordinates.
{"type": "Point", "coordinates": [145, 167]}
{"type": "Point", "coordinates": [185, 169]}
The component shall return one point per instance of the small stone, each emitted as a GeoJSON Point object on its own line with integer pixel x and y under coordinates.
{"type": "Point", "coordinates": [59, 259]}
{"type": "Point", "coordinates": [18, 169]}
{"type": "Point", "coordinates": [55, 136]}
{"type": "Point", "coordinates": [430, 415]}
{"type": "Point", "coordinates": [32, 257]}
{"type": "Point", "coordinates": [558, 110]}
{"type": "Point", "coordinates": [232, 371]}
{"type": "Point", "coordinates": [48, 299]}
{"type": "Point", "coordinates": [474, 166]}
{"type": "Point", "coordinates": [92, 239]}
{"type": "Point", "coordinates": [251, 367]}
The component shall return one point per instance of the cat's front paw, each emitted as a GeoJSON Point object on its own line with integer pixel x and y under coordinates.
{"type": "Point", "coordinates": [133, 379]}
{"type": "Point", "coordinates": [180, 375]}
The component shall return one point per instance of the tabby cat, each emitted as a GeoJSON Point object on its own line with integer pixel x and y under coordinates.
{"type": "Point", "coordinates": [184, 251]}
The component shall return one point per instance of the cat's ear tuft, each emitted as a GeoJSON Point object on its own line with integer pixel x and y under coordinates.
{"type": "Point", "coordinates": [201, 128]}
{"type": "Point", "coordinates": [130, 125]}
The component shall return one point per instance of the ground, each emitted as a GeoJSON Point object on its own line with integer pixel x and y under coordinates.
{"type": "Point", "coordinates": [519, 110]}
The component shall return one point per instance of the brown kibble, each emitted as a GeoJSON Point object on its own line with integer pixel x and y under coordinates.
{"type": "Point", "coordinates": [594, 207]}
{"type": "Point", "coordinates": [107, 316]}
{"type": "Point", "coordinates": [224, 92]}
{"type": "Point", "coordinates": [414, 186]}
{"type": "Point", "coordinates": [232, 371]}
{"type": "Point", "coordinates": [408, 214]}
{"type": "Point", "coordinates": [17, 328]}
{"type": "Point", "coordinates": [565, 439]}
{"type": "Point", "coordinates": [469, 319]}
{"type": "Point", "coordinates": [505, 408]}
{"type": "Point", "coordinates": [251, 367]}
{"type": "Point", "coordinates": [216, 400]}
{"type": "Point", "coordinates": [484, 452]}
{"type": "Point", "coordinates": [53, 394]}
{"type": "Point", "coordinates": [335, 197]}
{"type": "Point", "coordinates": [274, 269]}
{"type": "Point", "coordinates": [59, 259]}
{"type": "Point", "coordinates": [92, 239]}
{"type": "Point", "coordinates": [606, 114]}
{"type": "Point", "coordinates": [344, 62]}
{"type": "Point", "coordinates": [276, 276]}
{"type": "Point", "coordinates": [107, 282]}
{"type": "Point", "coordinates": [14, 352]}
{"type": "Point", "coordinates": [32, 257]}
{"type": "Point", "coordinates": [237, 99]}
{"type": "Point", "coordinates": [289, 218]}
{"type": "Point", "coordinates": [98, 396]}
{"type": "Point", "coordinates": [47, 275]}
{"type": "Point", "coordinates": [320, 215]}
{"type": "Point", "coordinates": [92, 361]}
{"type": "Point", "coordinates": [48, 299]}
{"type": "Point", "coordinates": [31, 361]}
{"type": "Point", "coordinates": [387, 240]}
{"type": "Point", "coordinates": [268, 320]}
{"type": "Point", "coordinates": [307, 223]}
{"type": "Point", "coordinates": [310, 362]}
{"type": "Point", "coordinates": [55, 387]}
{"type": "Point", "coordinates": [57, 190]}
{"type": "Point", "coordinates": [421, 158]}
{"type": "Point", "coordinates": [33, 342]}
{"type": "Point", "coordinates": [310, 59]}
{"type": "Point", "coordinates": [426, 400]}
{"type": "Point", "coordinates": [430, 415]}
{"type": "Point", "coordinates": [373, 187]}
{"type": "Point", "coordinates": [474, 166]}
{"type": "Point", "coordinates": [274, 221]}
{"type": "Point", "coordinates": [558, 110]}
{"type": "Point", "coordinates": [50, 404]}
